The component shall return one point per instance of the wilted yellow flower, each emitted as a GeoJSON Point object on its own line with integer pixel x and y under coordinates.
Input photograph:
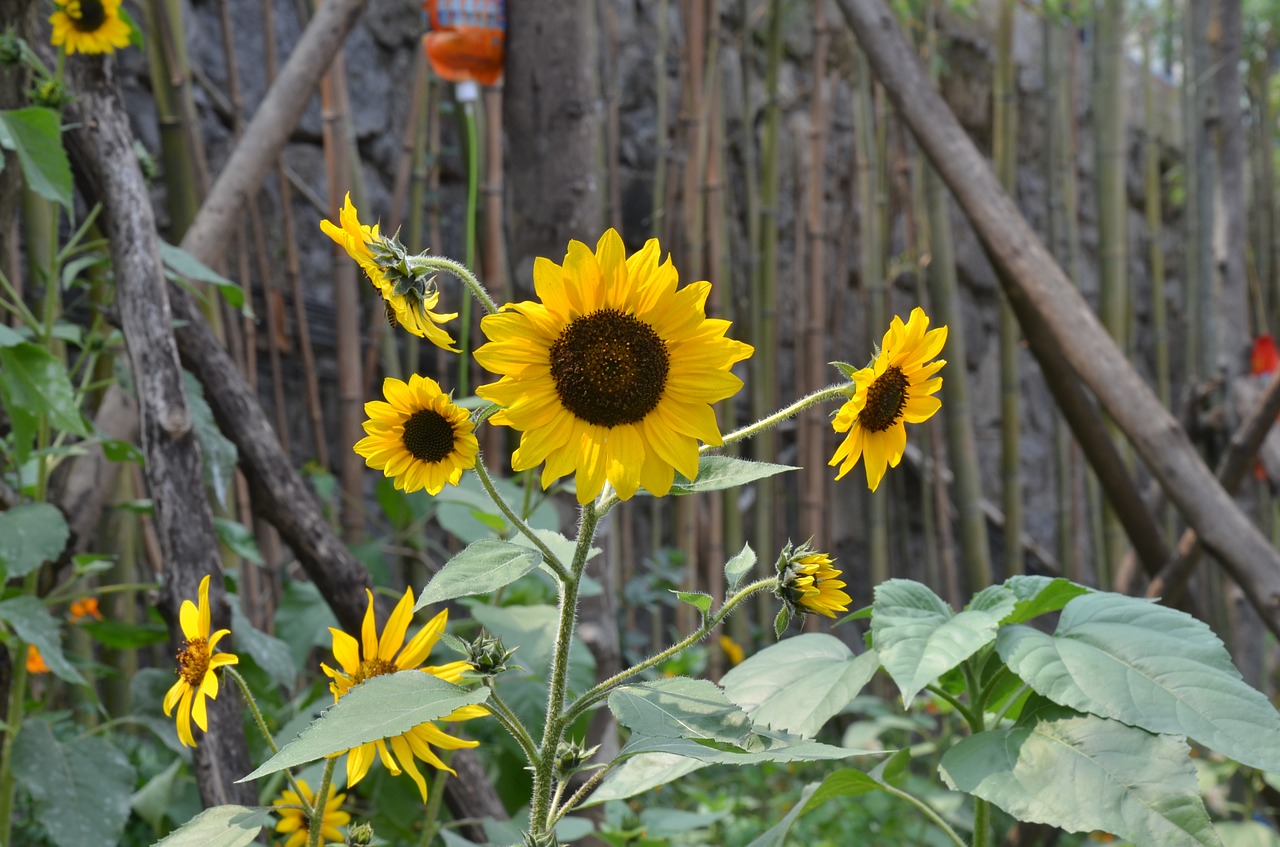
{"type": "Point", "coordinates": [196, 665]}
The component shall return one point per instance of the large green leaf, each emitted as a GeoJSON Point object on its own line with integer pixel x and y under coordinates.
{"type": "Point", "coordinates": [716, 473]}
{"type": "Point", "coordinates": [1039, 595]}
{"type": "Point", "coordinates": [482, 566]}
{"type": "Point", "coordinates": [30, 535]}
{"type": "Point", "coordinates": [380, 707]}
{"type": "Point", "coordinates": [151, 802]}
{"type": "Point", "coordinates": [1150, 666]}
{"type": "Point", "coordinates": [776, 835]}
{"type": "Point", "coordinates": [919, 638]}
{"type": "Point", "coordinates": [1247, 834]}
{"type": "Point", "coordinates": [1084, 773]}
{"type": "Point", "coordinates": [642, 773]}
{"type": "Point", "coordinates": [181, 264]}
{"type": "Point", "coordinates": [799, 683]}
{"type": "Point", "coordinates": [81, 789]}
{"type": "Point", "coordinates": [35, 135]}
{"type": "Point", "coordinates": [221, 826]}
{"type": "Point", "coordinates": [34, 625]}
{"type": "Point", "coordinates": [32, 383]}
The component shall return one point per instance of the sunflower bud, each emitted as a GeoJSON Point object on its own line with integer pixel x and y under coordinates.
{"type": "Point", "coordinates": [51, 94]}
{"type": "Point", "coordinates": [548, 840]}
{"type": "Point", "coordinates": [488, 655]}
{"type": "Point", "coordinates": [360, 834]}
{"type": "Point", "coordinates": [808, 582]}
{"type": "Point", "coordinates": [571, 757]}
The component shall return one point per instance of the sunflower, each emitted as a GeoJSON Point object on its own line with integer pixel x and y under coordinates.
{"type": "Point", "coordinates": [289, 806]}
{"type": "Point", "coordinates": [196, 665]}
{"type": "Point", "coordinates": [613, 374]}
{"type": "Point", "coordinates": [409, 301]}
{"type": "Point", "coordinates": [373, 657]}
{"type": "Point", "coordinates": [35, 662]}
{"type": "Point", "coordinates": [418, 437]}
{"type": "Point", "coordinates": [813, 582]}
{"type": "Point", "coordinates": [89, 26]}
{"type": "Point", "coordinates": [894, 390]}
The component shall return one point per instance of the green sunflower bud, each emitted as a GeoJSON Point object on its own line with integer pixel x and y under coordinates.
{"type": "Point", "coordinates": [360, 834]}
{"type": "Point", "coordinates": [572, 757]}
{"type": "Point", "coordinates": [488, 655]}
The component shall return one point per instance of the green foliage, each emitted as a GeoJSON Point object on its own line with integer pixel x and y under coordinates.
{"type": "Point", "coordinates": [716, 473]}
{"type": "Point", "coordinates": [30, 535]}
{"type": "Point", "coordinates": [32, 622]}
{"type": "Point", "coordinates": [220, 826]}
{"type": "Point", "coordinates": [35, 135]}
{"type": "Point", "coordinates": [33, 383]}
{"type": "Point", "coordinates": [483, 566]}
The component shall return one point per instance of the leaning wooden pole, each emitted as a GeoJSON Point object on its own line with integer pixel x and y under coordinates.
{"type": "Point", "coordinates": [1031, 272]}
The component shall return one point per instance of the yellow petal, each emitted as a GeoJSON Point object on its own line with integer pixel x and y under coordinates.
{"type": "Point", "coordinates": [397, 624]}
{"type": "Point", "coordinates": [204, 607]}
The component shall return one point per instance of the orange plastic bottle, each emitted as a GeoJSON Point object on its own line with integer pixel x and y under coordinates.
{"type": "Point", "coordinates": [466, 40]}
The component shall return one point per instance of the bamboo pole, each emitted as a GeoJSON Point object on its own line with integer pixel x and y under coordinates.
{"type": "Point", "coordinates": [1155, 225]}
{"type": "Point", "coordinates": [661, 129]}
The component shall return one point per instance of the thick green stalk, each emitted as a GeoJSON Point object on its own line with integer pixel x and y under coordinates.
{"type": "Point", "coordinates": [316, 823]}
{"type": "Point", "coordinates": [1005, 153]}
{"type": "Point", "coordinates": [473, 190]}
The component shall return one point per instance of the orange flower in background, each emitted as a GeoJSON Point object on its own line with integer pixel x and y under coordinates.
{"type": "Point", "coordinates": [1265, 358]}
{"type": "Point", "coordinates": [35, 662]}
{"type": "Point", "coordinates": [85, 607]}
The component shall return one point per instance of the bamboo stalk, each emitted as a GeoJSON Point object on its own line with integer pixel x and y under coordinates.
{"type": "Point", "coordinates": [1005, 153]}
{"type": "Point", "coordinates": [1155, 221]}
{"type": "Point", "coordinates": [660, 123]}
{"type": "Point", "coordinates": [1264, 206]}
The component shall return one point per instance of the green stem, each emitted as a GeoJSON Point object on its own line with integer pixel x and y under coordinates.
{"type": "Point", "coordinates": [580, 794]}
{"type": "Point", "coordinates": [228, 670]}
{"type": "Point", "coordinates": [593, 696]}
{"type": "Point", "coordinates": [820, 396]}
{"type": "Point", "coordinates": [926, 810]}
{"type": "Point", "coordinates": [955, 704]}
{"type": "Point", "coordinates": [318, 803]}
{"type": "Point", "coordinates": [549, 557]}
{"type": "Point", "coordinates": [434, 800]}
{"type": "Point", "coordinates": [1004, 710]}
{"type": "Point", "coordinates": [473, 183]}
{"type": "Point", "coordinates": [981, 822]}
{"type": "Point", "coordinates": [13, 719]}
{"type": "Point", "coordinates": [553, 729]}
{"type": "Point", "coordinates": [510, 722]}
{"type": "Point", "coordinates": [461, 271]}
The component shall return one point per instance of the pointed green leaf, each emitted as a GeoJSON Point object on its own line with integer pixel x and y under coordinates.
{"type": "Point", "coordinates": [919, 638]}
{"type": "Point", "coordinates": [238, 538]}
{"type": "Point", "coordinates": [1084, 773]}
{"type": "Point", "coordinates": [151, 802]}
{"type": "Point", "coordinates": [180, 263]}
{"type": "Point", "coordinates": [221, 826]}
{"type": "Point", "coordinates": [643, 773]}
{"type": "Point", "coordinates": [80, 789]}
{"type": "Point", "coordinates": [716, 473]}
{"type": "Point", "coordinates": [35, 135]}
{"type": "Point", "coordinates": [1150, 666]}
{"type": "Point", "coordinates": [34, 625]}
{"type": "Point", "coordinates": [799, 683]}
{"type": "Point", "coordinates": [30, 535]}
{"type": "Point", "coordinates": [739, 566]}
{"type": "Point", "coordinates": [696, 599]}
{"type": "Point", "coordinates": [33, 382]}
{"type": "Point", "coordinates": [376, 708]}
{"type": "Point", "coordinates": [1039, 595]}
{"type": "Point", "coordinates": [482, 566]}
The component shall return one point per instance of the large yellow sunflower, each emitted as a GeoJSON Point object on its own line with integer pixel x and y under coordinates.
{"type": "Point", "coordinates": [297, 822]}
{"type": "Point", "coordinates": [411, 307]}
{"type": "Point", "coordinates": [418, 437]}
{"type": "Point", "coordinates": [196, 665]}
{"type": "Point", "coordinates": [613, 374]}
{"type": "Point", "coordinates": [89, 26]}
{"type": "Point", "coordinates": [372, 657]}
{"type": "Point", "coordinates": [895, 390]}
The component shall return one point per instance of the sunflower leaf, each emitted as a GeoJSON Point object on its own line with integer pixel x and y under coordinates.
{"type": "Point", "coordinates": [1123, 780]}
{"type": "Point", "coordinates": [377, 708]}
{"type": "Point", "coordinates": [80, 789]}
{"type": "Point", "coordinates": [30, 535]}
{"type": "Point", "coordinates": [716, 473]}
{"type": "Point", "coordinates": [739, 566]}
{"type": "Point", "coordinates": [34, 625]}
{"type": "Point", "coordinates": [642, 773]}
{"type": "Point", "coordinates": [482, 566]}
{"type": "Point", "coordinates": [35, 135]}
{"type": "Point", "coordinates": [221, 826]}
{"type": "Point", "coordinates": [1039, 595]}
{"type": "Point", "coordinates": [697, 599]}
{"type": "Point", "coordinates": [1147, 665]}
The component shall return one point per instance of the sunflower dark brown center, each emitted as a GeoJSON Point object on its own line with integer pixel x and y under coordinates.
{"type": "Point", "coordinates": [370, 668]}
{"type": "Point", "coordinates": [428, 436]}
{"type": "Point", "coordinates": [193, 661]}
{"type": "Point", "coordinates": [609, 368]}
{"type": "Point", "coordinates": [87, 15]}
{"type": "Point", "coordinates": [886, 398]}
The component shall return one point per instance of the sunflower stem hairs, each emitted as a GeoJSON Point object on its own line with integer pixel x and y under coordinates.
{"type": "Point", "coordinates": [373, 656]}
{"type": "Point", "coordinates": [895, 389]}
{"type": "Point", "coordinates": [612, 374]}
{"type": "Point", "coordinates": [197, 664]}
{"type": "Point", "coordinates": [409, 290]}
{"type": "Point", "coordinates": [88, 26]}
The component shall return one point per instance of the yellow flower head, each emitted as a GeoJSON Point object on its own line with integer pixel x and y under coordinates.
{"type": "Point", "coordinates": [418, 437]}
{"type": "Point", "coordinates": [85, 607]}
{"type": "Point", "coordinates": [35, 662]}
{"type": "Point", "coordinates": [808, 582]}
{"type": "Point", "coordinates": [896, 389]}
{"type": "Point", "coordinates": [196, 665]}
{"type": "Point", "coordinates": [293, 820]}
{"type": "Point", "coordinates": [410, 303]}
{"type": "Point", "coordinates": [373, 656]}
{"type": "Point", "coordinates": [89, 26]}
{"type": "Point", "coordinates": [612, 376]}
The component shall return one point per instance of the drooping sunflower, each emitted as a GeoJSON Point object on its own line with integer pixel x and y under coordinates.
{"type": "Point", "coordinates": [196, 665]}
{"type": "Point", "coordinates": [297, 822]}
{"type": "Point", "coordinates": [418, 437]}
{"type": "Point", "coordinates": [409, 302]}
{"type": "Point", "coordinates": [372, 657]}
{"type": "Point", "coordinates": [896, 389]}
{"type": "Point", "coordinates": [89, 26]}
{"type": "Point", "coordinates": [814, 583]}
{"type": "Point", "coordinates": [612, 376]}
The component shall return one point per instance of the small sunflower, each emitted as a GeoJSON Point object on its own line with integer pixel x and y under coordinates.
{"type": "Point", "coordinates": [89, 26]}
{"type": "Point", "coordinates": [612, 376]}
{"type": "Point", "coordinates": [894, 390]}
{"type": "Point", "coordinates": [196, 665]}
{"type": "Point", "coordinates": [418, 437]}
{"type": "Point", "coordinates": [808, 581]}
{"type": "Point", "coordinates": [35, 662]}
{"type": "Point", "coordinates": [410, 301]}
{"type": "Point", "coordinates": [289, 806]}
{"type": "Point", "coordinates": [372, 657]}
